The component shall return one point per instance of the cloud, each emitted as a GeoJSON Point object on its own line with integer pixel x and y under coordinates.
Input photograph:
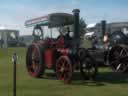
{"type": "Point", "coordinates": [111, 14]}
{"type": "Point", "coordinates": [14, 15]}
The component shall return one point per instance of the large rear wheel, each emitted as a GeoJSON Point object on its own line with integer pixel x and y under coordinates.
{"type": "Point", "coordinates": [64, 69]}
{"type": "Point", "coordinates": [118, 58]}
{"type": "Point", "coordinates": [35, 61]}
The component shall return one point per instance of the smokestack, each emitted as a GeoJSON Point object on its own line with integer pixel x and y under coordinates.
{"type": "Point", "coordinates": [76, 27]}
{"type": "Point", "coordinates": [103, 27]}
{"type": "Point", "coordinates": [76, 23]}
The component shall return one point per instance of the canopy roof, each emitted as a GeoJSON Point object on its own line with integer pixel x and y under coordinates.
{"type": "Point", "coordinates": [51, 20]}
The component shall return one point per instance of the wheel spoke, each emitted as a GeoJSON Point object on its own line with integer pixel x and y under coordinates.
{"type": "Point", "coordinates": [88, 71]}
{"type": "Point", "coordinates": [118, 58]}
{"type": "Point", "coordinates": [64, 71]}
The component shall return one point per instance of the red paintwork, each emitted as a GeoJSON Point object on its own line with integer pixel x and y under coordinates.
{"type": "Point", "coordinates": [48, 53]}
{"type": "Point", "coordinates": [63, 51]}
{"type": "Point", "coordinates": [34, 67]}
{"type": "Point", "coordinates": [48, 58]}
{"type": "Point", "coordinates": [64, 69]}
{"type": "Point", "coordinates": [60, 42]}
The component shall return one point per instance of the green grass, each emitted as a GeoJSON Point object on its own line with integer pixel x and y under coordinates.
{"type": "Point", "coordinates": [108, 83]}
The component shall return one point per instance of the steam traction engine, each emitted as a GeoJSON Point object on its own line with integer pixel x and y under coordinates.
{"type": "Point", "coordinates": [63, 54]}
{"type": "Point", "coordinates": [110, 47]}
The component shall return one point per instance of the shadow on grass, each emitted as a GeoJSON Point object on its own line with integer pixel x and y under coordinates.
{"type": "Point", "coordinates": [78, 80]}
{"type": "Point", "coordinates": [50, 75]}
{"type": "Point", "coordinates": [102, 79]}
{"type": "Point", "coordinates": [113, 78]}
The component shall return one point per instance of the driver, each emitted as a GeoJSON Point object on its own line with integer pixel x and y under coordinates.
{"type": "Point", "coordinates": [67, 36]}
{"type": "Point", "coordinates": [61, 35]}
{"type": "Point", "coordinates": [60, 39]}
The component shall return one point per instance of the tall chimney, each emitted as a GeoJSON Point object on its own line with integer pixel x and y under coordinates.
{"type": "Point", "coordinates": [103, 27]}
{"type": "Point", "coordinates": [76, 25]}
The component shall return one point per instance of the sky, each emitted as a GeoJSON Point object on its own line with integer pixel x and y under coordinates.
{"type": "Point", "coordinates": [15, 12]}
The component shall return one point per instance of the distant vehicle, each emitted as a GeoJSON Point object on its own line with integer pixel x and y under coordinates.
{"type": "Point", "coordinates": [8, 37]}
{"type": "Point", "coordinates": [89, 35]}
{"type": "Point", "coordinates": [110, 45]}
{"type": "Point", "coordinates": [26, 40]}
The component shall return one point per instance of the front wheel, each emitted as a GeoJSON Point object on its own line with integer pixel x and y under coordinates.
{"type": "Point", "coordinates": [88, 68]}
{"type": "Point", "coordinates": [64, 69]}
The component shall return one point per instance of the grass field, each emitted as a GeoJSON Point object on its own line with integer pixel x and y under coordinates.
{"type": "Point", "coordinates": [108, 83]}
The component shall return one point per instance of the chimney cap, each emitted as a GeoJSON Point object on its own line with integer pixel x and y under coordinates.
{"type": "Point", "coordinates": [76, 11]}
